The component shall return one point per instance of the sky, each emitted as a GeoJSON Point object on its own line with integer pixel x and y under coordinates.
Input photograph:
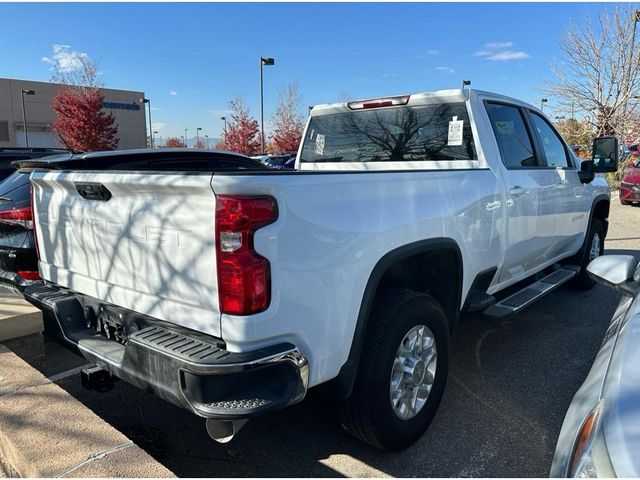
{"type": "Point", "coordinates": [191, 59]}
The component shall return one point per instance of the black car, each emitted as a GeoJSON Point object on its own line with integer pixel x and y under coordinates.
{"type": "Point", "coordinates": [18, 258]}
{"type": "Point", "coordinates": [281, 162]}
{"type": "Point", "coordinates": [10, 155]}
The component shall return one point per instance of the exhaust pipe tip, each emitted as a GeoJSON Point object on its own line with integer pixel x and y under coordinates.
{"type": "Point", "coordinates": [223, 431]}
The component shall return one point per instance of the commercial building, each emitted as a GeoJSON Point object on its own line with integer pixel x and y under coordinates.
{"type": "Point", "coordinates": [125, 105]}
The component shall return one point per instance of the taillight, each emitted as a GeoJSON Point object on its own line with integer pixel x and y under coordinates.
{"type": "Point", "coordinates": [18, 216]}
{"type": "Point", "coordinates": [32, 196]}
{"type": "Point", "coordinates": [244, 276]}
{"type": "Point", "coordinates": [29, 274]}
{"type": "Point", "coordinates": [379, 102]}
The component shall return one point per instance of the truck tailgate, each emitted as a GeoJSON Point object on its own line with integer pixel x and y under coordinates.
{"type": "Point", "coordinates": [145, 243]}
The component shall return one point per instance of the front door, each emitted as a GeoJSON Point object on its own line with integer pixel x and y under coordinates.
{"type": "Point", "coordinates": [571, 199]}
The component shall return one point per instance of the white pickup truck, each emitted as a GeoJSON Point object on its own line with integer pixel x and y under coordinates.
{"type": "Point", "coordinates": [231, 293]}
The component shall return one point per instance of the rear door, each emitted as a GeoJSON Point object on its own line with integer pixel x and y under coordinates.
{"type": "Point", "coordinates": [142, 241]}
{"type": "Point", "coordinates": [530, 199]}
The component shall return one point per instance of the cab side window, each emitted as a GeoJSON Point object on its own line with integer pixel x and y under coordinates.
{"type": "Point", "coordinates": [554, 149]}
{"type": "Point", "coordinates": [514, 141]}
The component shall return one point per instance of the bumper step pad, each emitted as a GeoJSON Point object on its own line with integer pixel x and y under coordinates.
{"type": "Point", "coordinates": [178, 345]}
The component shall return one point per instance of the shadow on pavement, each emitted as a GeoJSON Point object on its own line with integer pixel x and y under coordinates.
{"type": "Point", "coordinates": [509, 387]}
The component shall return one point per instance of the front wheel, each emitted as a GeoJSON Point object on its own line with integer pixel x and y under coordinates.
{"type": "Point", "coordinates": [402, 372]}
{"type": "Point", "coordinates": [593, 249]}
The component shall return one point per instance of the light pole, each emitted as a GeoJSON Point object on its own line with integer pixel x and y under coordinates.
{"type": "Point", "coordinates": [182, 140]}
{"type": "Point", "coordinates": [198, 136]}
{"type": "Point", "coordinates": [224, 119]}
{"type": "Point", "coordinates": [153, 140]}
{"type": "Point", "coordinates": [185, 138]}
{"type": "Point", "coordinates": [24, 116]}
{"type": "Point", "coordinates": [263, 61]}
{"type": "Point", "coordinates": [145, 101]}
{"type": "Point", "coordinates": [207, 139]}
{"type": "Point", "coordinates": [542, 102]}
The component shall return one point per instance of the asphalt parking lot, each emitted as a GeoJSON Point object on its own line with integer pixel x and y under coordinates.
{"type": "Point", "coordinates": [509, 387]}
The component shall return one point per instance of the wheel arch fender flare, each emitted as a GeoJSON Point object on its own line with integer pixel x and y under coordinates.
{"type": "Point", "coordinates": [605, 201]}
{"type": "Point", "coordinates": [342, 385]}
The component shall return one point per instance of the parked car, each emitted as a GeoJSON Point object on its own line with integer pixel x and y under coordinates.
{"type": "Point", "coordinates": [600, 436]}
{"type": "Point", "coordinates": [230, 294]}
{"type": "Point", "coordinates": [630, 186]}
{"type": "Point", "coordinates": [279, 162]}
{"type": "Point", "coordinates": [18, 260]}
{"type": "Point", "coordinates": [9, 155]}
{"type": "Point", "coordinates": [260, 158]}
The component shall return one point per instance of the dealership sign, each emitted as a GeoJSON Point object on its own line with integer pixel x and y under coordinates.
{"type": "Point", "coordinates": [121, 106]}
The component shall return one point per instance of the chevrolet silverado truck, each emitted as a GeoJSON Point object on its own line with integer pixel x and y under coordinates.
{"type": "Point", "coordinates": [232, 293]}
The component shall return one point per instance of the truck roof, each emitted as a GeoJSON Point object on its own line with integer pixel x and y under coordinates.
{"type": "Point", "coordinates": [421, 98]}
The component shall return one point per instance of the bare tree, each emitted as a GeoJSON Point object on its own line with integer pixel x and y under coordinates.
{"type": "Point", "coordinates": [598, 73]}
{"type": "Point", "coordinates": [576, 132]}
{"type": "Point", "coordinates": [82, 74]}
{"type": "Point", "coordinates": [288, 121]}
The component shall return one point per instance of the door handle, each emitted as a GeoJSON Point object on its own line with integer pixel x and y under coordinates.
{"type": "Point", "coordinates": [516, 191]}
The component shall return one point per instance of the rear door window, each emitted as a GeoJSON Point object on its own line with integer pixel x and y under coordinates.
{"type": "Point", "coordinates": [514, 141]}
{"type": "Point", "coordinates": [425, 133]}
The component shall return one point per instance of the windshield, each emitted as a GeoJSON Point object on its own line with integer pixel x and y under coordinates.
{"type": "Point", "coordinates": [431, 132]}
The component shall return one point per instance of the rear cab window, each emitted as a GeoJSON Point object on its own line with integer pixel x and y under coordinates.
{"type": "Point", "coordinates": [394, 137]}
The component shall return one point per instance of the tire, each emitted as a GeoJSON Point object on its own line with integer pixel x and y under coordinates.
{"type": "Point", "coordinates": [368, 414]}
{"type": "Point", "coordinates": [583, 281]}
{"type": "Point", "coordinates": [625, 202]}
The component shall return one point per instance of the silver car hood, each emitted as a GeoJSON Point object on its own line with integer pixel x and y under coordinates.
{"type": "Point", "coordinates": [621, 393]}
{"type": "Point", "coordinates": [605, 381]}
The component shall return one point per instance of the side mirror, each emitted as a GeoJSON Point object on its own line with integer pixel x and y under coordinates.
{"type": "Point", "coordinates": [605, 154]}
{"type": "Point", "coordinates": [615, 270]}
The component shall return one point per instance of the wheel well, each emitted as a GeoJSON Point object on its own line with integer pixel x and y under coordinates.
{"type": "Point", "coordinates": [433, 266]}
{"type": "Point", "coordinates": [601, 212]}
{"type": "Point", "coordinates": [435, 272]}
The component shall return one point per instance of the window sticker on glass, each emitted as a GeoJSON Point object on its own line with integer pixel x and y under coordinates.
{"type": "Point", "coordinates": [455, 132]}
{"type": "Point", "coordinates": [319, 144]}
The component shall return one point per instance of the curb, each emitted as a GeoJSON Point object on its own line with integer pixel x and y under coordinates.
{"type": "Point", "coordinates": [46, 432]}
{"type": "Point", "coordinates": [18, 318]}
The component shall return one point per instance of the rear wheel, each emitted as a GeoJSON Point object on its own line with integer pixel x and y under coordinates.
{"type": "Point", "coordinates": [593, 249]}
{"type": "Point", "coordinates": [402, 372]}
